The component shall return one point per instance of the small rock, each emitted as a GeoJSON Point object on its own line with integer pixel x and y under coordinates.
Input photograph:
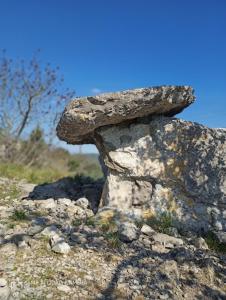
{"type": "Point", "coordinates": [50, 231]}
{"type": "Point", "coordinates": [221, 236]}
{"type": "Point", "coordinates": [78, 238]}
{"type": "Point", "coordinates": [64, 201]}
{"type": "Point", "coordinates": [22, 244]}
{"type": "Point", "coordinates": [4, 289]}
{"type": "Point", "coordinates": [64, 288]}
{"type": "Point", "coordinates": [67, 228]}
{"type": "Point", "coordinates": [3, 282]}
{"type": "Point", "coordinates": [128, 232]}
{"type": "Point", "coordinates": [55, 239]}
{"type": "Point", "coordinates": [147, 230]}
{"type": "Point", "coordinates": [167, 240]}
{"type": "Point", "coordinates": [173, 231]}
{"type": "Point", "coordinates": [41, 221]}
{"type": "Point", "coordinates": [218, 226]}
{"type": "Point", "coordinates": [20, 239]}
{"type": "Point", "coordinates": [83, 202]}
{"type": "Point", "coordinates": [34, 229]}
{"type": "Point", "coordinates": [4, 293]}
{"type": "Point", "coordinates": [61, 247]}
{"type": "Point", "coordinates": [32, 243]}
{"type": "Point", "coordinates": [159, 248]}
{"type": "Point", "coordinates": [46, 204]}
{"type": "Point", "coordinates": [200, 243]}
{"type": "Point", "coordinates": [163, 296]}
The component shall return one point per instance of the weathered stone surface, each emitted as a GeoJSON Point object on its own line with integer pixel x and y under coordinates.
{"type": "Point", "coordinates": [61, 247]}
{"type": "Point", "coordinates": [147, 230]}
{"type": "Point", "coordinates": [128, 232]}
{"type": "Point", "coordinates": [200, 243]}
{"type": "Point", "coordinates": [168, 165]}
{"type": "Point", "coordinates": [167, 240]}
{"type": "Point", "coordinates": [83, 115]}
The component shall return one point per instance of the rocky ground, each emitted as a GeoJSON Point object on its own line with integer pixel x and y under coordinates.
{"type": "Point", "coordinates": [52, 247]}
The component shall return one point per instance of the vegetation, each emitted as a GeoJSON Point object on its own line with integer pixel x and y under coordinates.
{"type": "Point", "coordinates": [213, 242]}
{"type": "Point", "coordinates": [8, 192]}
{"type": "Point", "coordinates": [162, 222]}
{"type": "Point", "coordinates": [19, 215]}
{"type": "Point", "coordinates": [32, 96]}
{"type": "Point", "coordinates": [37, 162]}
{"type": "Point", "coordinates": [113, 239]}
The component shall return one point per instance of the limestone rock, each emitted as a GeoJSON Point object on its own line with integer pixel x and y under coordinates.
{"type": "Point", "coordinates": [167, 240]}
{"type": "Point", "coordinates": [4, 293]}
{"type": "Point", "coordinates": [61, 247]}
{"type": "Point", "coordinates": [128, 232]}
{"type": "Point", "coordinates": [83, 202]}
{"type": "Point", "coordinates": [64, 288]}
{"type": "Point", "coordinates": [4, 289]}
{"type": "Point", "coordinates": [64, 201]}
{"type": "Point", "coordinates": [147, 230]}
{"type": "Point", "coordinates": [49, 231]}
{"type": "Point", "coordinates": [46, 204]}
{"type": "Point", "coordinates": [83, 115]}
{"type": "Point", "coordinates": [56, 239]}
{"type": "Point", "coordinates": [200, 243]}
{"type": "Point", "coordinates": [166, 165]}
{"type": "Point", "coordinates": [3, 282]}
{"type": "Point", "coordinates": [221, 236]}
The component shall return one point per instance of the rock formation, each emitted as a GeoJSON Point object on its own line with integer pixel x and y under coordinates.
{"type": "Point", "coordinates": [156, 163]}
{"type": "Point", "coordinates": [83, 115]}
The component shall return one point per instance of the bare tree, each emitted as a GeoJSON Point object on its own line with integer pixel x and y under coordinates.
{"type": "Point", "coordinates": [31, 95]}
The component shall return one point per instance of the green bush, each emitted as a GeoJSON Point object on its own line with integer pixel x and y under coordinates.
{"type": "Point", "coordinates": [19, 215]}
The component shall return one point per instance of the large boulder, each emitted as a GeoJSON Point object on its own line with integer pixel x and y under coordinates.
{"type": "Point", "coordinates": [166, 165]}
{"type": "Point", "coordinates": [155, 163]}
{"type": "Point", "coordinates": [83, 115]}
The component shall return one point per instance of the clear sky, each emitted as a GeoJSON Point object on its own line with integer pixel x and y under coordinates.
{"type": "Point", "coordinates": [110, 45]}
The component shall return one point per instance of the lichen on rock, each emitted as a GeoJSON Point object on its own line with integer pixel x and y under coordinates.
{"type": "Point", "coordinates": [155, 162]}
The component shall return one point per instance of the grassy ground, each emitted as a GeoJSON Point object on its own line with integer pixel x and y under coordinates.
{"type": "Point", "coordinates": [31, 174]}
{"type": "Point", "coordinates": [50, 173]}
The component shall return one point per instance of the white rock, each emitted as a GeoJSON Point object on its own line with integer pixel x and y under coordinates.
{"type": "Point", "coordinates": [3, 282]}
{"type": "Point", "coordinates": [83, 202]}
{"type": "Point", "coordinates": [22, 244]}
{"type": "Point", "coordinates": [64, 288]}
{"type": "Point", "coordinates": [167, 240]}
{"type": "Point", "coordinates": [128, 232]}
{"type": "Point", "coordinates": [56, 239]}
{"type": "Point", "coordinates": [200, 243]}
{"type": "Point", "coordinates": [4, 293]}
{"type": "Point", "coordinates": [61, 247]}
{"type": "Point", "coordinates": [64, 201]}
{"type": "Point", "coordinates": [46, 204]}
{"type": "Point", "coordinates": [50, 231]}
{"type": "Point", "coordinates": [147, 230]}
{"type": "Point", "coordinates": [221, 236]}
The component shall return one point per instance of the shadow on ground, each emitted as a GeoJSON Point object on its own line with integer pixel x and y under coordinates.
{"type": "Point", "coordinates": [71, 188]}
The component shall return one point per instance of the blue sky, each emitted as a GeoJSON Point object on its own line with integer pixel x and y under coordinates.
{"type": "Point", "coordinates": [114, 45]}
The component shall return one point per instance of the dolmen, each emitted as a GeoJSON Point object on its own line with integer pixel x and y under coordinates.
{"type": "Point", "coordinates": [156, 163]}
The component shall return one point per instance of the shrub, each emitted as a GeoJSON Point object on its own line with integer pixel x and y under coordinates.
{"type": "Point", "coordinates": [19, 215]}
{"type": "Point", "coordinates": [161, 222]}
